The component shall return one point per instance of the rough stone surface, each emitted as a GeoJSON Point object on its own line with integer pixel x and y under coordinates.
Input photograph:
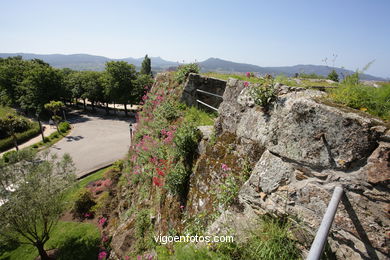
{"type": "Point", "coordinates": [311, 147]}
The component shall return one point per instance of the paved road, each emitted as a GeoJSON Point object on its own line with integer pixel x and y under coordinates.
{"type": "Point", "coordinates": [95, 141]}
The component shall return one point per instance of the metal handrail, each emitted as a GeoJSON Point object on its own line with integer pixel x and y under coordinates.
{"type": "Point", "coordinates": [208, 93]}
{"type": "Point", "coordinates": [322, 234]}
{"type": "Point", "coordinates": [207, 105]}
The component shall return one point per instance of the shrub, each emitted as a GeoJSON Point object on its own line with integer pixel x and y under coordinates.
{"type": "Point", "coordinates": [83, 203]}
{"type": "Point", "coordinates": [263, 93]}
{"type": "Point", "coordinates": [143, 226]}
{"type": "Point", "coordinates": [186, 139]}
{"type": "Point", "coordinates": [63, 127]}
{"type": "Point", "coordinates": [333, 76]}
{"type": "Point", "coordinates": [167, 110]}
{"type": "Point", "coordinates": [7, 155]}
{"type": "Point", "coordinates": [184, 70]}
{"type": "Point", "coordinates": [176, 179]}
{"type": "Point", "coordinates": [8, 142]}
{"type": "Point", "coordinates": [101, 204]}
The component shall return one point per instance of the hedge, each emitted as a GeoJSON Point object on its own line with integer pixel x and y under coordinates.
{"type": "Point", "coordinates": [8, 142]}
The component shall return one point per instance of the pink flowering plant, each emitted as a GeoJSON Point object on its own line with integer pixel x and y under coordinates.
{"type": "Point", "coordinates": [264, 93]}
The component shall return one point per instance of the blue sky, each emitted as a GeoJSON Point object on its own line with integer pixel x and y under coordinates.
{"type": "Point", "coordinates": [265, 33]}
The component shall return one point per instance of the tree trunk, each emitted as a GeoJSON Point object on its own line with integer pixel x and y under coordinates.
{"type": "Point", "coordinates": [125, 109]}
{"type": "Point", "coordinates": [114, 109]}
{"type": "Point", "coordinates": [58, 130]}
{"type": "Point", "coordinates": [41, 130]}
{"type": "Point", "coordinates": [85, 106]}
{"type": "Point", "coordinates": [15, 141]}
{"type": "Point", "coordinates": [42, 251]}
{"type": "Point", "coordinates": [107, 111]}
{"type": "Point", "coordinates": [93, 106]}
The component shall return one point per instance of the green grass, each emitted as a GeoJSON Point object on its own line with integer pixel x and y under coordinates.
{"type": "Point", "coordinates": [375, 101]}
{"type": "Point", "coordinates": [234, 76]}
{"type": "Point", "coordinates": [74, 240]}
{"type": "Point", "coordinates": [271, 240]}
{"type": "Point", "coordinates": [198, 117]}
{"type": "Point", "coordinates": [304, 82]}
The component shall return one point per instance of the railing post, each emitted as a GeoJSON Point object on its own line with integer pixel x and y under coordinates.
{"type": "Point", "coordinates": [322, 234]}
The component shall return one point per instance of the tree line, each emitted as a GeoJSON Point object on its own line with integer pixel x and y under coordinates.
{"type": "Point", "coordinates": [30, 84]}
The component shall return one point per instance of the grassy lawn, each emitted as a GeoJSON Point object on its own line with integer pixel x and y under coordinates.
{"type": "Point", "coordinates": [74, 240]}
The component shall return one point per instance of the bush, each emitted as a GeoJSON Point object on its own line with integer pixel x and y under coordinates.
{"type": "Point", "coordinates": [7, 155]}
{"type": "Point", "coordinates": [184, 70]}
{"type": "Point", "coordinates": [186, 139]}
{"type": "Point", "coordinates": [101, 204]}
{"type": "Point", "coordinates": [333, 76]}
{"type": "Point", "coordinates": [167, 110]}
{"type": "Point", "coordinates": [8, 142]}
{"type": "Point", "coordinates": [176, 179]}
{"type": "Point", "coordinates": [63, 127]}
{"type": "Point", "coordinates": [263, 93]}
{"type": "Point", "coordinates": [83, 203]}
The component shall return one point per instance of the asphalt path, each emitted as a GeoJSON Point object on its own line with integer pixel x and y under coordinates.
{"type": "Point", "coordinates": [95, 141]}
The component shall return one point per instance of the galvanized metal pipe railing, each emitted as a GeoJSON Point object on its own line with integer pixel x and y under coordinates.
{"type": "Point", "coordinates": [208, 93]}
{"type": "Point", "coordinates": [322, 234]}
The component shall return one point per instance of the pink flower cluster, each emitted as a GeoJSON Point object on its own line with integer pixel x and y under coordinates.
{"type": "Point", "coordinates": [246, 83]}
{"type": "Point", "coordinates": [102, 222]}
{"type": "Point", "coordinates": [168, 136]}
{"type": "Point", "coordinates": [102, 255]}
{"type": "Point", "coordinates": [88, 215]}
{"type": "Point", "coordinates": [225, 167]}
{"type": "Point", "coordinates": [100, 185]}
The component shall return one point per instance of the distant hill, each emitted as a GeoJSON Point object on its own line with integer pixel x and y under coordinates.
{"type": "Point", "coordinates": [93, 62]}
{"type": "Point", "coordinates": [224, 66]}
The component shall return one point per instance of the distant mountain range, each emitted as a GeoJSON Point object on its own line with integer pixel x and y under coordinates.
{"type": "Point", "coordinates": [92, 62]}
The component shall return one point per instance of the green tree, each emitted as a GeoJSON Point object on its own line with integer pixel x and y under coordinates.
{"type": "Point", "coordinates": [146, 67]}
{"type": "Point", "coordinates": [10, 123]}
{"type": "Point", "coordinates": [41, 84]}
{"type": "Point", "coordinates": [333, 76]}
{"type": "Point", "coordinates": [32, 190]}
{"type": "Point", "coordinates": [55, 107]}
{"type": "Point", "coordinates": [12, 72]}
{"type": "Point", "coordinates": [93, 87]}
{"type": "Point", "coordinates": [120, 77]}
{"type": "Point", "coordinates": [141, 85]}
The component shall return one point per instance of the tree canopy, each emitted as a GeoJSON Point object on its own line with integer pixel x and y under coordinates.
{"type": "Point", "coordinates": [32, 191]}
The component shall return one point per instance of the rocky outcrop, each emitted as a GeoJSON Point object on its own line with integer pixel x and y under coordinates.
{"type": "Point", "coordinates": [310, 147]}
